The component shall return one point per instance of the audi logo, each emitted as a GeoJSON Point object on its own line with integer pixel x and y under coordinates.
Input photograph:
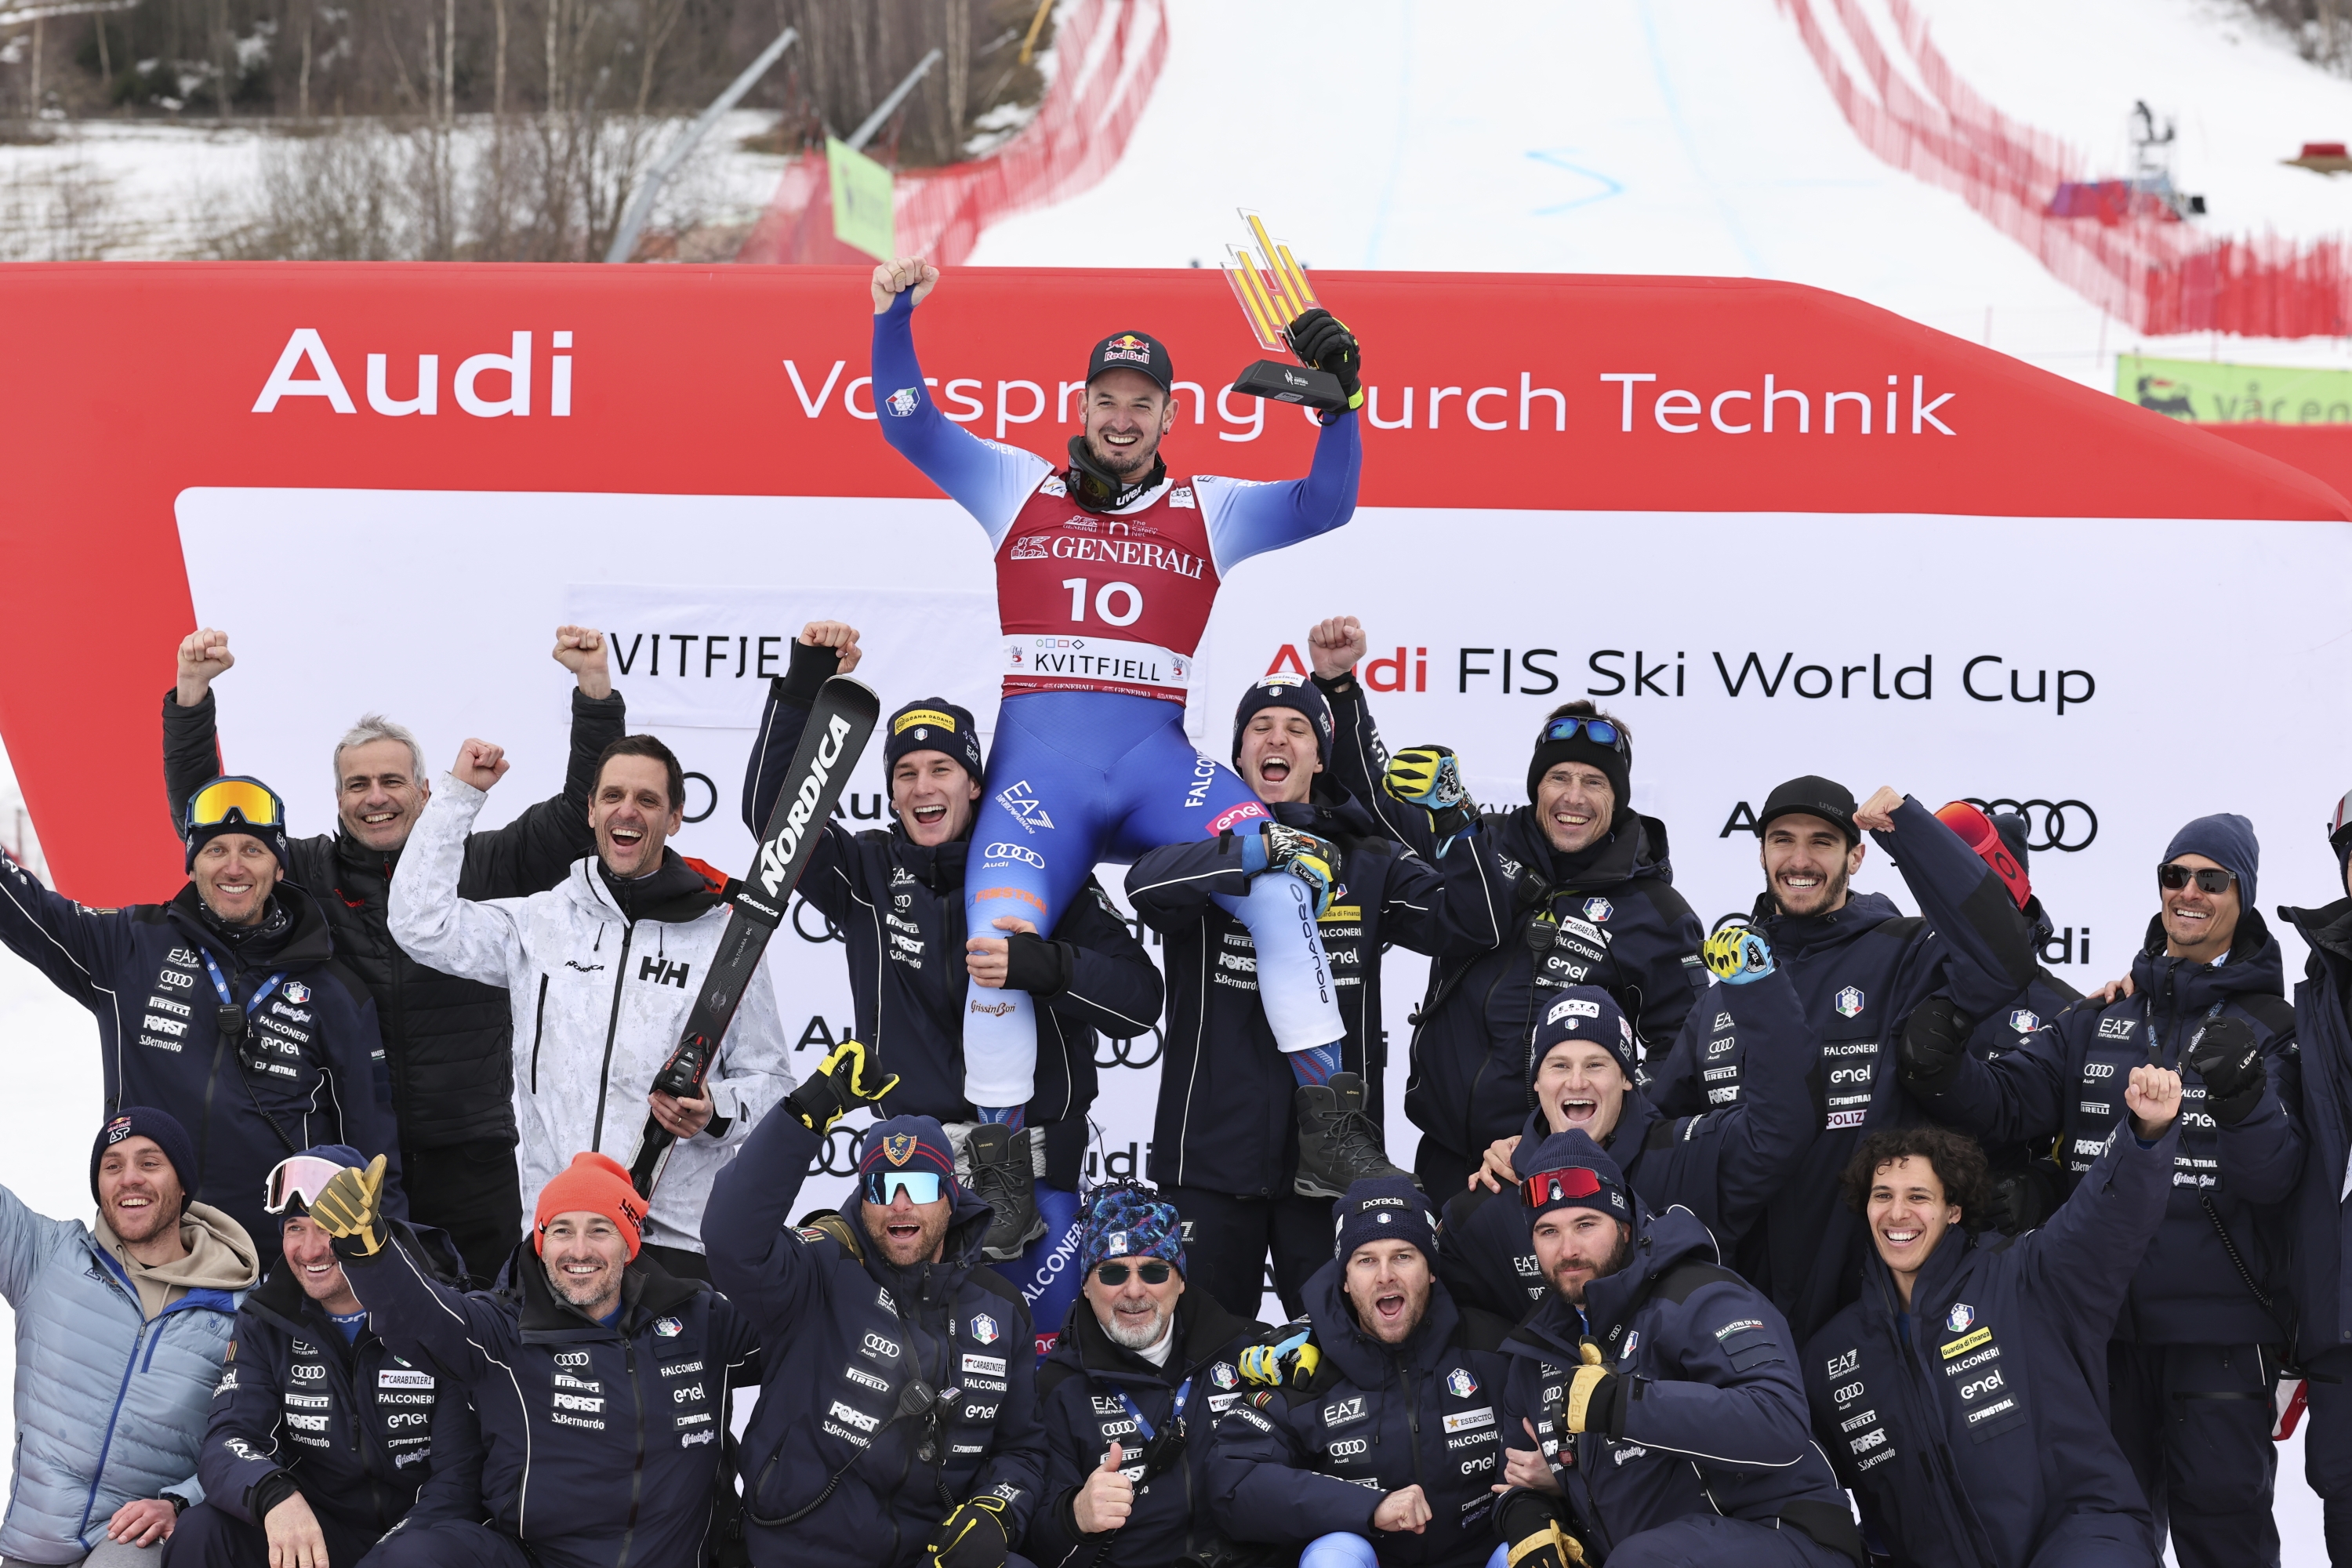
{"type": "Point", "coordinates": [1129, 1053]}
{"type": "Point", "coordinates": [1020, 852]}
{"type": "Point", "coordinates": [2064, 824]}
{"type": "Point", "coordinates": [838, 1154]}
{"type": "Point", "coordinates": [828, 931]}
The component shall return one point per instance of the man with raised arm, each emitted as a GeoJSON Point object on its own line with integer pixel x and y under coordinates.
{"type": "Point", "coordinates": [446, 1039]}
{"type": "Point", "coordinates": [1106, 572]}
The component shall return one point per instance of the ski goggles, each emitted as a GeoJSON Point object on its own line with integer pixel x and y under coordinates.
{"type": "Point", "coordinates": [1117, 1273]}
{"type": "Point", "coordinates": [245, 799]}
{"type": "Point", "coordinates": [298, 1179]}
{"type": "Point", "coordinates": [2339, 826]}
{"type": "Point", "coordinates": [1556, 1187]}
{"type": "Point", "coordinates": [883, 1186]}
{"type": "Point", "coordinates": [1600, 731]}
{"type": "Point", "coordinates": [1976, 830]}
{"type": "Point", "coordinates": [2208, 878]}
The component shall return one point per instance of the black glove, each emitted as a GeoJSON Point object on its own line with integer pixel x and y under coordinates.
{"type": "Point", "coordinates": [842, 1082]}
{"type": "Point", "coordinates": [1934, 1043]}
{"type": "Point", "coordinates": [973, 1536]}
{"type": "Point", "coordinates": [1322, 342]}
{"type": "Point", "coordinates": [2225, 1054]}
{"type": "Point", "coordinates": [1533, 1534]}
{"type": "Point", "coordinates": [1594, 1400]}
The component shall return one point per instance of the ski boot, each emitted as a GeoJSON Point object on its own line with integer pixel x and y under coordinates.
{"type": "Point", "coordinates": [1337, 1144]}
{"type": "Point", "coordinates": [1004, 1178]}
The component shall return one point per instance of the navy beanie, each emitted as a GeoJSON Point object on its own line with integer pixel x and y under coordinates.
{"type": "Point", "coordinates": [2012, 830]}
{"type": "Point", "coordinates": [1286, 692]}
{"type": "Point", "coordinates": [195, 835]}
{"type": "Point", "coordinates": [910, 1144]}
{"type": "Point", "coordinates": [146, 1121]}
{"type": "Point", "coordinates": [2228, 840]}
{"type": "Point", "coordinates": [1131, 1222]}
{"type": "Point", "coordinates": [1615, 766]}
{"type": "Point", "coordinates": [1384, 1208]}
{"type": "Point", "coordinates": [933, 724]}
{"type": "Point", "coordinates": [1559, 1163]}
{"type": "Point", "coordinates": [1588, 1013]}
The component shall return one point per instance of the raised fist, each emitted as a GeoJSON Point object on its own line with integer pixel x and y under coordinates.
{"type": "Point", "coordinates": [587, 653]}
{"type": "Point", "coordinates": [894, 278]}
{"type": "Point", "coordinates": [204, 658]}
{"type": "Point", "coordinates": [1336, 645]}
{"type": "Point", "coordinates": [838, 636]}
{"type": "Point", "coordinates": [480, 763]}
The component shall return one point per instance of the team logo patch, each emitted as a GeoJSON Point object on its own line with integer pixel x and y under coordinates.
{"type": "Point", "coordinates": [984, 1329]}
{"type": "Point", "coordinates": [931, 716]}
{"type": "Point", "coordinates": [902, 402]}
{"type": "Point", "coordinates": [899, 1148]}
{"type": "Point", "coordinates": [294, 991]}
{"type": "Point", "coordinates": [1633, 1341]}
{"type": "Point", "coordinates": [1849, 1001]}
{"type": "Point", "coordinates": [669, 1328]}
{"type": "Point", "coordinates": [1223, 1375]}
{"type": "Point", "coordinates": [1959, 1318]}
{"type": "Point", "coordinates": [1598, 910]}
{"type": "Point", "coordinates": [1460, 1383]}
{"type": "Point", "coordinates": [2024, 1021]}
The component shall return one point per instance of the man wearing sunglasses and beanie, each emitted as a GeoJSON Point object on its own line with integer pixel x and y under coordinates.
{"type": "Point", "coordinates": [1251, 1142]}
{"type": "Point", "coordinates": [1372, 1438]}
{"type": "Point", "coordinates": [2322, 1221]}
{"type": "Point", "coordinates": [1860, 966]}
{"type": "Point", "coordinates": [1577, 890]}
{"type": "Point", "coordinates": [2196, 1352]}
{"type": "Point", "coordinates": [601, 1382]}
{"type": "Point", "coordinates": [446, 1039]}
{"type": "Point", "coordinates": [897, 1422]}
{"type": "Point", "coordinates": [320, 1438]}
{"type": "Point", "coordinates": [1653, 1408]}
{"type": "Point", "coordinates": [226, 1006]}
{"type": "Point", "coordinates": [1131, 1393]}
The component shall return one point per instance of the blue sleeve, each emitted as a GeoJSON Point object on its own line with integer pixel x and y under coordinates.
{"type": "Point", "coordinates": [1773, 1122]}
{"type": "Point", "coordinates": [757, 1258]}
{"type": "Point", "coordinates": [415, 1314]}
{"type": "Point", "coordinates": [988, 480]}
{"type": "Point", "coordinates": [1262, 1486]}
{"type": "Point", "coordinates": [2020, 1097]}
{"type": "Point", "coordinates": [1171, 886]}
{"type": "Point", "coordinates": [1445, 908]}
{"type": "Point", "coordinates": [2262, 1156]}
{"type": "Point", "coordinates": [241, 1432]}
{"type": "Point", "coordinates": [2084, 1256]}
{"type": "Point", "coordinates": [1987, 940]}
{"type": "Point", "coordinates": [1739, 1401]}
{"type": "Point", "coordinates": [78, 948]}
{"type": "Point", "coordinates": [1114, 986]}
{"type": "Point", "coordinates": [1245, 518]}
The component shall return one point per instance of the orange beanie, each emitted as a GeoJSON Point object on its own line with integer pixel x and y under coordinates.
{"type": "Point", "coordinates": [591, 1183]}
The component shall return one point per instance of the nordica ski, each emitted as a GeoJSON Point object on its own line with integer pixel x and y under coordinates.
{"type": "Point", "coordinates": [840, 723]}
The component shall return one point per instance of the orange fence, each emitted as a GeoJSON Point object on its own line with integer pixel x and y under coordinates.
{"type": "Point", "coordinates": [2140, 265]}
{"type": "Point", "coordinates": [1107, 58]}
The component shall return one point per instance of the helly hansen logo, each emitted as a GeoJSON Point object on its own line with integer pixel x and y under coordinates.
{"type": "Point", "coordinates": [661, 972]}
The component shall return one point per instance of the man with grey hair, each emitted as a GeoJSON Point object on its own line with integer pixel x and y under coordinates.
{"type": "Point", "coordinates": [448, 1041]}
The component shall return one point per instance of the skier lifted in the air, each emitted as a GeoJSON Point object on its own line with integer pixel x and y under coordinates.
{"type": "Point", "coordinates": [1106, 573]}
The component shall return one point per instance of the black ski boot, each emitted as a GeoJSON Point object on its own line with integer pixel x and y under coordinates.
{"type": "Point", "coordinates": [1003, 1178]}
{"type": "Point", "coordinates": [1337, 1144]}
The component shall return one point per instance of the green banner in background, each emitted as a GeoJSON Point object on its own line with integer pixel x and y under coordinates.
{"type": "Point", "coordinates": [2204, 392]}
{"type": "Point", "coordinates": [862, 215]}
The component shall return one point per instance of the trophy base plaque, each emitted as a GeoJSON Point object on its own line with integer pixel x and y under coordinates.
{"type": "Point", "coordinates": [1297, 383]}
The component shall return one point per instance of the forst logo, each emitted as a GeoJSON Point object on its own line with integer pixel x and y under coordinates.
{"type": "Point", "coordinates": [777, 855]}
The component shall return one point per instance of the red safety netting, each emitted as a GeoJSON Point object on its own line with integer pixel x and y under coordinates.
{"type": "Point", "coordinates": [1107, 56]}
{"type": "Point", "coordinates": [2133, 260]}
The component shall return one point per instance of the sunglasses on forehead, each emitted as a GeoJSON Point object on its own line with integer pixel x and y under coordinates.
{"type": "Point", "coordinates": [1117, 1273]}
{"type": "Point", "coordinates": [1600, 731]}
{"type": "Point", "coordinates": [882, 1186]}
{"type": "Point", "coordinates": [1551, 1186]}
{"type": "Point", "coordinates": [2208, 878]}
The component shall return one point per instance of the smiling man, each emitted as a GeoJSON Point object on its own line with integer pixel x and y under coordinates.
{"type": "Point", "coordinates": [446, 1039]}
{"type": "Point", "coordinates": [1251, 1142]}
{"type": "Point", "coordinates": [894, 897]}
{"type": "Point", "coordinates": [601, 971]}
{"type": "Point", "coordinates": [1576, 886]}
{"type": "Point", "coordinates": [226, 1006]}
{"type": "Point", "coordinates": [1982, 1352]}
{"type": "Point", "coordinates": [1379, 1442]}
{"type": "Point", "coordinates": [897, 1421]}
{"type": "Point", "coordinates": [2197, 1350]}
{"type": "Point", "coordinates": [121, 1328]}
{"type": "Point", "coordinates": [1652, 1410]}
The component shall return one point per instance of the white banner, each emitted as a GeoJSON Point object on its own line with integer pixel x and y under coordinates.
{"type": "Point", "coordinates": [2127, 675]}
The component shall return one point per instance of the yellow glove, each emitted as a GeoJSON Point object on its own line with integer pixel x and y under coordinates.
{"type": "Point", "coordinates": [1551, 1547]}
{"type": "Point", "coordinates": [349, 1208]}
{"type": "Point", "coordinates": [1426, 776]}
{"type": "Point", "coordinates": [843, 1082]}
{"type": "Point", "coordinates": [1736, 954]}
{"type": "Point", "coordinates": [1595, 1395]}
{"type": "Point", "coordinates": [1292, 1359]}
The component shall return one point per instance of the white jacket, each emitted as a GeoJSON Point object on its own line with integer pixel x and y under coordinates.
{"type": "Point", "coordinates": [598, 1005]}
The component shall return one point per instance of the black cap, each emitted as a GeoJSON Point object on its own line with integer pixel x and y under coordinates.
{"type": "Point", "coordinates": [1286, 692]}
{"type": "Point", "coordinates": [1812, 796]}
{"type": "Point", "coordinates": [1133, 350]}
{"type": "Point", "coordinates": [933, 724]}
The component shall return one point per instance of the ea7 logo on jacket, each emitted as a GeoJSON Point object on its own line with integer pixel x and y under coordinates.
{"type": "Point", "coordinates": [2116, 1028]}
{"type": "Point", "coordinates": [1840, 1365]}
{"type": "Point", "coordinates": [661, 972]}
{"type": "Point", "coordinates": [1341, 1413]}
{"type": "Point", "coordinates": [777, 855]}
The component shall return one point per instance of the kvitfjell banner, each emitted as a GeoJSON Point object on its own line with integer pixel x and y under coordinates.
{"type": "Point", "coordinates": [1775, 530]}
{"type": "Point", "coordinates": [2209, 392]}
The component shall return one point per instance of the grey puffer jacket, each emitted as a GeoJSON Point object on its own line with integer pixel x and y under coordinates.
{"type": "Point", "coordinates": [110, 1406]}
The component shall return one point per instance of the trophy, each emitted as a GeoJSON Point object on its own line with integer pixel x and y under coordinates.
{"type": "Point", "coordinates": [1272, 292]}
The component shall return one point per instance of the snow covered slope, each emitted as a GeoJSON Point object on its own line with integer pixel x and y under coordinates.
{"type": "Point", "coordinates": [1638, 136]}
